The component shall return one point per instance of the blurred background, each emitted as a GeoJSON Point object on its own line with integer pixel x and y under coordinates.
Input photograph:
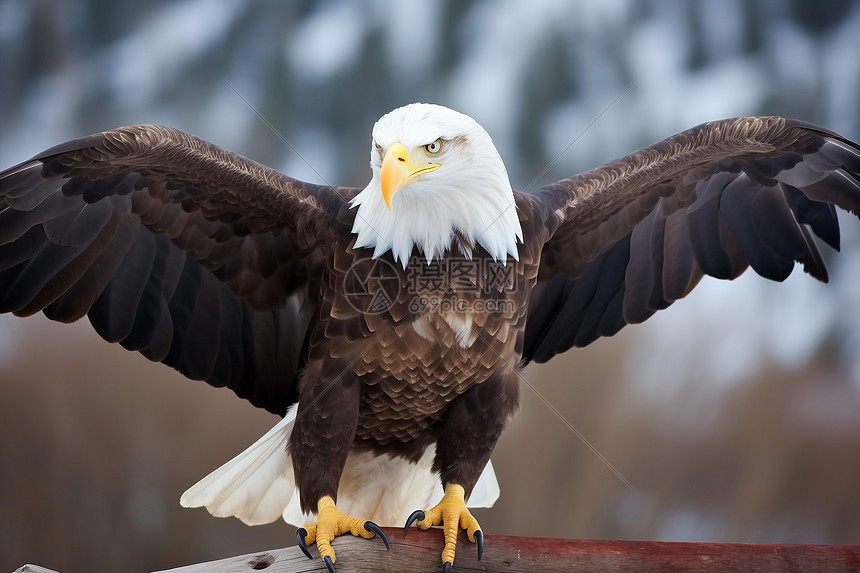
{"type": "Point", "coordinates": [734, 414]}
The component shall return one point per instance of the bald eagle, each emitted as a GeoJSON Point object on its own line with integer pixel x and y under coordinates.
{"type": "Point", "coordinates": [388, 325]}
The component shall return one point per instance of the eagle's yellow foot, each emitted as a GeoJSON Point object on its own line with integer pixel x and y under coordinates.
{"type": "Point", "coordinates": [331, 523]}
{"type": "Point", "coordinates": [451, 512]}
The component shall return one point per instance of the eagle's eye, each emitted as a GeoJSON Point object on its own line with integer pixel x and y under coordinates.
{"type": "Point", "coordinates": [434, 148]}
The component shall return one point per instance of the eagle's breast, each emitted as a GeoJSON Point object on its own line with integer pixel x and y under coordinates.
{"type": "Point", "coordinates": [435, 329]}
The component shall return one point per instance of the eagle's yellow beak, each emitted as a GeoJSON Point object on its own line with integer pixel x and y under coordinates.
{"type": "Point", "coordinates": [398, 171]}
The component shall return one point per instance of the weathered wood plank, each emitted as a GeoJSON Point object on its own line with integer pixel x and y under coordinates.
{"type": "Point", "coordinates": [422, 549]}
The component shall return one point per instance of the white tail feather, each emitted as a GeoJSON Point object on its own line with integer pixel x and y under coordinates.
{"type": "Point", "coordinates": [258, 485]}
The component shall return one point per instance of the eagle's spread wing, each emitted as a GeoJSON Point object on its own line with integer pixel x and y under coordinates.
{"type": "Point", "coordinates": [631, 237]}
{"type": "Point", "coordinates": [190, 254]}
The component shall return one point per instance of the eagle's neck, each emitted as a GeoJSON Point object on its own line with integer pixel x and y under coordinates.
{"type": "Point", "coordinates": [433, 220]}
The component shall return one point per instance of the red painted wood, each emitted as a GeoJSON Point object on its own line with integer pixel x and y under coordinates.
{"type": "Point", "coordinates": [421, 551]}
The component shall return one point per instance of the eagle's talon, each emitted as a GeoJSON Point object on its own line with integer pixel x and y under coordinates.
{"type": "Point", "coordinates": [446, 567]}
{"type": "Point", "coordinates": [373, 528]}
{"type": "Point", "coordinates": [451, 513]}
{"type": "Point", "coordinates": [301, 533]}
{"type": "Point", "coordinates": [417, 515]}
{"type": "Point", "coordinates": [329, 525]}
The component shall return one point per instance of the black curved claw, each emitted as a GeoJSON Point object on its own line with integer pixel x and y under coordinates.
{"type": "Point", "coordinates": [370, 526]}
{"type": "Point", "coordinates": [479, 541]}
{"type": "Point", "coordinates": [301, 533]}
{"type": "Point", "coordinates": [416, 515]}
{"type": "Point", "coordinates": [329, 564]}
{"type": "Point", "coordinates": [446, 567]}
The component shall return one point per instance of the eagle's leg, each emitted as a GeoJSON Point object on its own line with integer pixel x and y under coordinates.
{"type": "Point", "coordinates": [322, 435]}
{"type": "Point", "coordinates": [469, 434]}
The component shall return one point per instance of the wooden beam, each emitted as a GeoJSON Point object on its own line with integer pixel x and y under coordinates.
{"type": "Point", "coordinates": [421, 551]}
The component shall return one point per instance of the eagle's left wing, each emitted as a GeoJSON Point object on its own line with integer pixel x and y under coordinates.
{"type": "Point", "coordinates": [631, 237]}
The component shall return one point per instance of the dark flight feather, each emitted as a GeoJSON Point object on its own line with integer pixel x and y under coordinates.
{"type": "Point", "coordinates": [712, 200]}
{"type": "Point", "coordinates": [173, 247]}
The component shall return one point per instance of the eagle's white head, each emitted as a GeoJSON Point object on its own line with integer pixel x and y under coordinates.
{"type": "Point", "coordinates": [436, 176]}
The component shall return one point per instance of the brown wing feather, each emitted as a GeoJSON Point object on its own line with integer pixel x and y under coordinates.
{"type": "Point", "coordinates": [631, 237]}
{"type": "Point", "coordinates": [172, 246]}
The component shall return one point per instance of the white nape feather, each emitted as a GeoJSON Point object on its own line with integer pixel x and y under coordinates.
{"type": "Point", "coordinates": [258, 485]}
{"type": "Point", "coordinates": [470, 194]}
